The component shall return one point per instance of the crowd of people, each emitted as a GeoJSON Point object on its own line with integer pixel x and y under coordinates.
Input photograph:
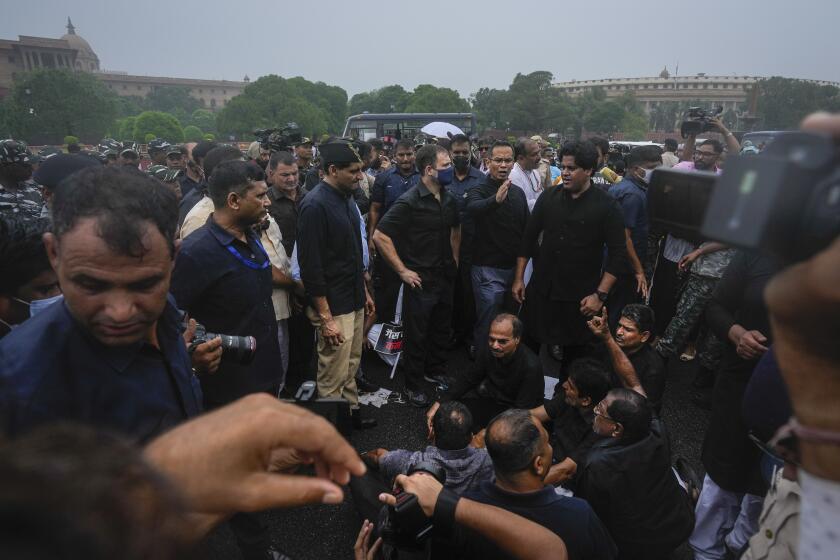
{"type": "Point", "coordinates": [177, 305]}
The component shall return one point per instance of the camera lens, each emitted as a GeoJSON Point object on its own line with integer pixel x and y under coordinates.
{"type": "Point", "coordinates": [239, 349]}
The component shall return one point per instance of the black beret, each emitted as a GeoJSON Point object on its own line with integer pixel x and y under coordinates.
{"type": "Point", "coordinates": [56, 168]}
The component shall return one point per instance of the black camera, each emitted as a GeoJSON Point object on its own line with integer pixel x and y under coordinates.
{"type": "Point", "coordinates": [336, 411]}
{"type": "Point", "coordinates": [697, 121]}
{"type": "Point", "coordinates": [280, 139]}
{"type": "Point", "coordinates": [405, 525]}
{"type": "Point", "coordinates": [238, 349]}
{"type": "Point", "coordinates": [784, 201]}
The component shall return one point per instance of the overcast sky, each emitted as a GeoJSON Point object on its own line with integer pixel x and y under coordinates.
{"type": "Point", "coordinates": [362, 45]}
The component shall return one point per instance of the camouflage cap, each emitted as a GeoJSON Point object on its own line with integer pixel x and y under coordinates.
{"type": "Point", "coordinates": [12, 151]}
{"type": "Point", "coordinates": [158, 145]}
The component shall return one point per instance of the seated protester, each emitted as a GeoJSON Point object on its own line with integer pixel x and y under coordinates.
{"type": "Point", "coordinates": [629, 482]}
{"type": "Point", "coordinates": [571, 412]}
{"type": "Point", "coordinates": [28, 283]}
{"type": "Point", "coordinates": [466, 466]}
{"type": "Point", "coordinates": [633, 362]}
{"type": "Point", "coordinates": [521, 454]}
{"type": "Point", "coordinates": [506, 374]}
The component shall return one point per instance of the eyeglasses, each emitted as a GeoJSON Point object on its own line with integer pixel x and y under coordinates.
{"type": "Point", "coordinates": [500, 161]}
{"type": "Point", "coordinates": [600, 410]}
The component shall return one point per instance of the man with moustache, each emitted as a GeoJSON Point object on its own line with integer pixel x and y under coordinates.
{"type": "Point", "coordinates": [500, 214]}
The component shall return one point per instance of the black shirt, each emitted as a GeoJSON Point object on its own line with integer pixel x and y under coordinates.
{"type": "Point", "coordinates": [330, 249]}
{"type": "Point", "coordinates": [498, 227]}
{"type": "Point", "coordinates": [572, 519]}
{"type": "Point", "coordinates": [420, 227]}
{"type": "Point", "coordinates": [568, 262]}
{"type": "Point", "coordinates": [189, 200]}
{"type": "Point", "coordinates": [52, 370]}
{"type": "Point", "coordinates": [284, 210]}
{"type": "Point", "coordinates": [516, 383]}
{"type": "Point", "coordinates": [649, 367]}
{"type": "Point", "coordinates": [634, 492]}
{"type": "Point", "coordinates": [572, 436]}
{"type": "Point", "coordinates": [230, 294]}
{"type": "Point", "coordinates": [391, 185]}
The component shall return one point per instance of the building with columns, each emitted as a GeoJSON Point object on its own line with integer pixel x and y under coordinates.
{"type": "Point", "coordinates": [729, 92]}
{"type": "Point", "coordinates": [72, 51]}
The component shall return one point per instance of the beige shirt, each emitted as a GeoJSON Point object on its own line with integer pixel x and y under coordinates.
{"type": "Point", "coordinates": [778, 532]}
{"type": "Point", "coordinates": [271, 240]}
{"type": "Point", "coordinates": [669, 159]}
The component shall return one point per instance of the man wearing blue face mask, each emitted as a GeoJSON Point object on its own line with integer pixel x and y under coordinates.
{"type": "Point", "coordinates": [420, 238]}
{"type": "Point", "coordinates": [27, 281]}
{"type": "Point", "coordinates": [631, 195]}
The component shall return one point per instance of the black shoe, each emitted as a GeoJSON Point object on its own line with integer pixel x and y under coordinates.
{"type": "Point", "coordinates": [556, 352]}
{"type": "Point", "coordinates": [360, 423]}
{"type": "Point", "coordinates": [364, 384]}
{"type": "Point", "coordinates": [418, 398]}
{"type": "Point", "coordinates": [693, 482]}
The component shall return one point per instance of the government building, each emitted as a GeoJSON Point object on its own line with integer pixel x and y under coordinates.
{"type": "Point", "coordinates": [730, 92]}
{"type": "Point", "coordinates": [71, 51]}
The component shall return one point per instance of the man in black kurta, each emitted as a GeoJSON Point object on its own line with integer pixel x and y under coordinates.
{"type": "Point", "coordinates": [571, 281]}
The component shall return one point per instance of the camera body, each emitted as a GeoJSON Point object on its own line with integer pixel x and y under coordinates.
{"type": "Point", "coordinates": [697, 121]}
{"type": "Point", "coordinates": [405, 525]}
{"type": "Point", "coordinates": [280, 139]}
{"type": "Point", "coordinates": [784, 201]}
{"type": "Point", "coordinates": [336, 411]}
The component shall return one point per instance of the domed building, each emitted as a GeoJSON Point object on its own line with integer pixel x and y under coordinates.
{"type": "Point", "coordinates": [86, 59]}
{"type": "Point", "coordinates": [72, 51]}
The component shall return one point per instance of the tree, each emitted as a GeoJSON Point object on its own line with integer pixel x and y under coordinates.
{"type": "Point", "coordinates": [489, 106]}
{"type": "Point", "coordinates": [389, 99]}
{"type": "Point", "coordinates": [203, 119]}
{"type": "Point", "coordinates": [430, 99]}
{"type": "Point", "coordinates": [273, 101]}
{"type": "Point", "coordinates": [70, 140]}
{"type": "Point", "coordinates": [193, 134]}
{"type": "Point", "coordinates": [46, 105]}
{"type": "Point", "coordinates": [126, 128]}
{"type": "Point", "coordinates": [604, 117]}
{"type": "Point", "coordinates": [783, 103]}
{"type": "Point", "coordinates": [171, 99]}
{"type": "Point", "coordinates": [161, 125]}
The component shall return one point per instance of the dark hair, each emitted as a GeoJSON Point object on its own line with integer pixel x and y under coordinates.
{"type": "Point", "coordinates": [642, 315]}
{"type": "Point", "coordinates": [22, 252]}
{"type": "Point", "coordinates": [643, 154]}
{"type": "Point", "coordinates": [512, 440]}
{"type": "Point", "coordinates": [200, 150]}
{"type": "Point", "coordinates": [715, 144]}
{"type": "Point", "coordinates": [585, 154]}
{"type": "Point", "coordinates": [670, 145]}
{"type": "Point", "coordinates": [591, 379]}
{"type": "Point", "coordinates": [428, 155]}
{"type": "Point", "coordinates": [404, 143]}
{"type": "Point", "coordinates": [488, 141]}
{"type": "Point", "coordinates": [631, 410]}
{"type": "Point", "coordinates": [620, 167]}
{"type": "Point", "coordinates": [460, 139]}
{"type": "Point", "coordinates": [122, 199]}
{"type": "Point", "coordinates": [499, 144]}
{"type": "Point", "coordinates": [72, 492]}
{"type": "Point", "coordinates": [277, 158]}
{"type": "Point", "coordinates": [376, 144]}
{"type": "Point", "coordinates": [453, 426]}
{"type": "Point", "coordinates": [515, 322]}
{"type": "Point", "coordinates": [521, 147]}
{"type": "Point", "coordinates": [232, 177]}
{"type": "Point", "coordinates": [217, 155]}
{"type": "Point", "coordinates": [602, 143]}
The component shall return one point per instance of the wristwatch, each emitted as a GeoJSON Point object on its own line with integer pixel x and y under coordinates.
{"type": "Point", "coordinates": [603, 296]}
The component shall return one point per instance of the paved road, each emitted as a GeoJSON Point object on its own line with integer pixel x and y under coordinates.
{"type": "Point", "coordinates": [328, 532]}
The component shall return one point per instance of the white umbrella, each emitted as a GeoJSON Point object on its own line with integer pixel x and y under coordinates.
{"type": "Point", "coordinates": [440, 129]}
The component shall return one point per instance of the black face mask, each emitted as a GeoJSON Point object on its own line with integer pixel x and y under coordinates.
{"type": "Point", "coordinates": [461, 162]}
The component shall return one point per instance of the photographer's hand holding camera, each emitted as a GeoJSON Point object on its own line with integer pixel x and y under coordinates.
{"type": "Point", "coordinates": [708, 161]}
{"type": "Point", "coordinates": [205, 357]}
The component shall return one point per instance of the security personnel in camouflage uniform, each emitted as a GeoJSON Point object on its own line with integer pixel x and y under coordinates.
{"type": "Point", "coordinates": [19, 195]}
{"type": "Point", "coordinates": [707, 262]}
{"type": "Point", "coordinates": [158, 149]}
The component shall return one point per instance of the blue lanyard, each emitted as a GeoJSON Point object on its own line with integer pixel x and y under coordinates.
{"type": "Point", "coordinates": [248, 262]}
